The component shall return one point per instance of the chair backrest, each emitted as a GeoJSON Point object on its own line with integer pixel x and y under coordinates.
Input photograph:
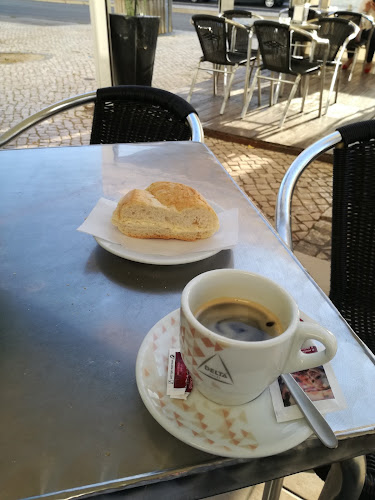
{"type": "Point", "coordinates": [242, 36]}
{"type": "Point", "coordinates": [132, 113]}
{"type": "Point", "coordinates": [274, 44]}
{"type": "Point", "coordinates": [212, 35]}
{"type": "Point", "coordinates": [237, 13]}
{"type": "Point", "coordinates": [353, 221]}
{"type": "Point", "coordinates": [354, 17]}
{"type": "Point", "coordinates": [312, 14]}
{"type": "Point", "coordinates": [353, 229]}
{"type": "Point", "coordinates": [337, 31]}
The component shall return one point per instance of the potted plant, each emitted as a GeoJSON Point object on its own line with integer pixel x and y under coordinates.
{"type": "Point", "coordinates": [133, 43]}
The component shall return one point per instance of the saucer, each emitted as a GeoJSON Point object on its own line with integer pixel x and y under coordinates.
{"type": "Point", "coordinates": [245, 431]}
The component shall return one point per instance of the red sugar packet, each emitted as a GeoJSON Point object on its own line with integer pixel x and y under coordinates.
{"type": "Point", "coordinates": [179, 381]}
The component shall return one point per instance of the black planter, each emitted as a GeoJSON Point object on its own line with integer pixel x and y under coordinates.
{"type": "Point", "coordinates": [133, 40]}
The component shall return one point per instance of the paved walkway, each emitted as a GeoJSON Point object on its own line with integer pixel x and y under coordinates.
{"type": "Point", "coordinates": [59, 62]}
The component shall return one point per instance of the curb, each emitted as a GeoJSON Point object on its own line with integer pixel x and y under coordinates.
{"type": "Point", "coordinates": [77, 2]}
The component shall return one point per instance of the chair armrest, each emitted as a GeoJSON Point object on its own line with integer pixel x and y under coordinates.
{"type": "Point", "coordinates": [285, 193]}
{"type": "Point", "coordinates": [236, 24]}
{"type": "Point", "coordinates": [300, 31]}
{"type": "Point", "coordinates": [369, 18]}
{"type": "Point", "coordinates": [356, 29]}
{"type": "Point", "coordinates": [45, 113]}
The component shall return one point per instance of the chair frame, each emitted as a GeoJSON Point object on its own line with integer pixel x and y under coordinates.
{"type": "Point", "coordinates": [336, 63]}
{"type": "Point", "coordinates": [287, 186]}
{"type": "Point", "coordinates": [257, 77]}
{"type": "Point", "coordinates": [359, 45]}
{"type": "Point", "coordinates": [245, 14]}
{"type": "Point", "coordinates": [233, 67]}
{"type": "Point", "coordinates": [80, 100]}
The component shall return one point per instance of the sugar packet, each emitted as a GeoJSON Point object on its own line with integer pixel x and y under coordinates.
{"type": "Point", "coordinates": [179, 381]}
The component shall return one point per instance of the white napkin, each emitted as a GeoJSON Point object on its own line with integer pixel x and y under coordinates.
{"type": "Point", "coordinates": [98, 223]}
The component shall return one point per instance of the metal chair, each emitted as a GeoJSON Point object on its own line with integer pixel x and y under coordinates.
{"type": "Point", "coordinates": [212, 33]}
{"type": "Point", "coordinates": [241, 41]}
{"type": "Point", "coordinates": [353, 239]}
{"type": "Point", "coordinates": [275, 41]}
{"type": "Point", "coordinates": [127, 113]}
{"type": "Point", "coordinates": [339, 32]}
{"type": "Point", "coordinates": [355, 45]}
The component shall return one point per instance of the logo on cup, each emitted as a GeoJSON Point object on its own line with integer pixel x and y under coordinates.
{"type": "Point", "coordinates": [214, 367]}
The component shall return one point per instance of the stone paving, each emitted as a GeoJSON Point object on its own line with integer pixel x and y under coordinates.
{"type": "Point", "coordinates": [65, 67]}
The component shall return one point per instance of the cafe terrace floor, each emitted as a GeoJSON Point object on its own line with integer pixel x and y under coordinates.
{"type": "Point", "coordinates": [356, 102]}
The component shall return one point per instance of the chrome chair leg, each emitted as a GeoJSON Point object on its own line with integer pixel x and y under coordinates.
{"type": "Point", "coordinates": [250, 94]}
{"type": "Point", "coordinates": [228, 88]}
{"type": "Point", "coordinates": [337, 84]}
{"type": "Point", "coordinates": [333, 81]}
{"type": "Point", "coordinates": [225, 83]}
{"type": "Point", "coordinates": [322, 81]}
{"type": "Point", "coordinates": [291, 95]}
{"type": "Point", "coordinates": [259, 92]}
{"type": "Point", "coordinates": [272, 489]}
{"type": "Point", "coordinates": [353, 64]}
{"type": "Point", "coordinates": [278, 85]}
{"type": "Point", "coordinates": [248, 71]}
{"type": "Point", "coordinates": [215, 78]}
{"type": "Point", "coordinates": [193, 82]}
{"type": "Point", "coordinates": [305, 91]}
{"type": "Point", "coordinates": [272, 87]}
{"type": "Point", "coordinates": [345, 480]}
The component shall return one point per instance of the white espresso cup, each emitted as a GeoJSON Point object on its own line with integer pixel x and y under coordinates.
{"type": "Point", "coordinates": [231, 371]}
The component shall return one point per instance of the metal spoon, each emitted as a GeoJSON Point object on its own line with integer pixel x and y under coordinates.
{"type": "Point", "coordinates": [313, 416]}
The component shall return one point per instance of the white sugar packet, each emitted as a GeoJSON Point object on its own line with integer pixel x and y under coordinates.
{"type": "Point", "coordinates": [320, 384]}
{"type": "Point", "coordinates": [98, 223]}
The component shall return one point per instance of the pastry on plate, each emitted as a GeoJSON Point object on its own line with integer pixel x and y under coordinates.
{"type": "Point", "coordinates": [165, 210]}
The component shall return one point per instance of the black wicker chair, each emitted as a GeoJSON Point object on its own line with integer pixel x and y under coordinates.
{"type": "Point", "coordinates": [139, 114]}
{"type": "Point", "coordinates": [275, 40]}
{"type": "Point", "coordinates": [353, 234]}
{"type": "Point", "coordinates": [127, 113]}
{"type": "Point", "coordinates": [339, 32]}
{"type": "Point", "coordinates": [215, 43]}
{"type": "Point", "coordinates": [355, 45]}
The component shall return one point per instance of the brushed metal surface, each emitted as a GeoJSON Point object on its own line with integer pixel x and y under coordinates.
{"type": "Point", "coordinates": [72, 317]}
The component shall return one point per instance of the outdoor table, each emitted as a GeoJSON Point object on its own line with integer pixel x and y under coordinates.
{"type": "Point", "coordinates": [73, 316]}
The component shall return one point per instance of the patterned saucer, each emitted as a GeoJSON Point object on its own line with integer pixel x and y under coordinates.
{"type": "Point", "coordinates": [246, 431]}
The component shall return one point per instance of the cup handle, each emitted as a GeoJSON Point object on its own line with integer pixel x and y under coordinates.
{"type": "Point", "coordinates": [299, 360]}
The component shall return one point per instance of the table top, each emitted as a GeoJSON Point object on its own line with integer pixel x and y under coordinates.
{"type": "Point", "coordinates": [73, 316]}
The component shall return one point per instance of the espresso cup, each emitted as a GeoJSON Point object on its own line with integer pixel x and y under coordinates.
{"type": "Point", "coordinates": [239, 331]}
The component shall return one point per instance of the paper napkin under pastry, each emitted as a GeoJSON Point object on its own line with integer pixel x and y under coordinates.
{"type": "Point", "coordinates": [98, 223]}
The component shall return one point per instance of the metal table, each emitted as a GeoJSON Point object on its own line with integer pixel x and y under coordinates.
{"type": "Point", "coordinates": [72, 318]}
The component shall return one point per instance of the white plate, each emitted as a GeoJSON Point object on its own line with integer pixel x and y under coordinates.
{"type": "Point", "coordinates": [246, 431]}
{"type": "Point", "coordinates": [162, 260]}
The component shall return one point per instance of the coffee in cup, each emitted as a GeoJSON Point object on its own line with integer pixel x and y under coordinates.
{"type": "Point", "coordinates": [239, 319]}
{"type": "Point", "coordinates": [239, 331]}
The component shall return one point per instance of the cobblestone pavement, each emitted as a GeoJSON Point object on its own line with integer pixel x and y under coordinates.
{"type": "Point", "coordinates": [59, 63]}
